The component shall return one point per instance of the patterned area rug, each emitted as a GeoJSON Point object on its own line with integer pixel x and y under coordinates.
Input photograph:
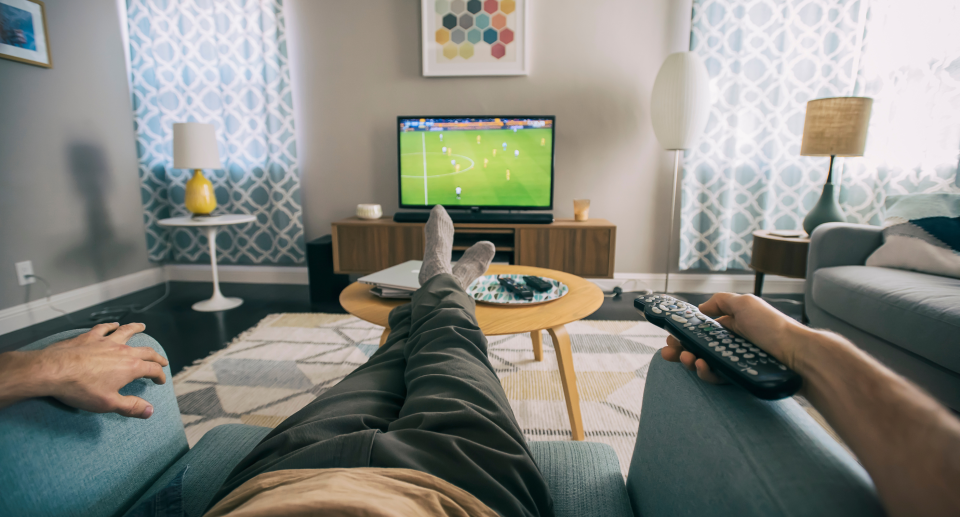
{"type": "Point", "coordinates": [279, 366]}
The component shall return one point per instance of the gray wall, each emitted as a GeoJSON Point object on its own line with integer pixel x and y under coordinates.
{"type": "Point", "coordinates": [356, 66]}
{"type": "Point", "coordinates": [69, 192]}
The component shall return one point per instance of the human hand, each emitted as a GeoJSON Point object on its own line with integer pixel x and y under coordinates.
{"type": "Point", "coordinates": [750, 317]}
{"type": "Point", "coordinates": [87, 371]}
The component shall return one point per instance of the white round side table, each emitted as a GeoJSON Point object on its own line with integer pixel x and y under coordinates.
{"type": "Point", "coordinates": [217, 302]}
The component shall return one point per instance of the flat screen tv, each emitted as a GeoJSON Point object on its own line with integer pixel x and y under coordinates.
{"type": "Point", "coordinates": [476, 162]}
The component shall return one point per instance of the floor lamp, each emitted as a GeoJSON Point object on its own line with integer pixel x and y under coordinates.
{"type": "Point", "coordinates": [679, 107]}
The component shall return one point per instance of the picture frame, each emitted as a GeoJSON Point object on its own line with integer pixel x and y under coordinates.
{"type": "Point", "coordinates": [474, 37]}
{"type": "Point", "coordinates": [23, 32]}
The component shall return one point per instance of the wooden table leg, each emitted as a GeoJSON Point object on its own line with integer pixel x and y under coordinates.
{"type": "Point", "coordinates": [537, 337]}
{"type": "Point", "coordinates": [561, 344]}
{"type": "Point", "coordinates": [758, 284]}
{"type": "Point", "coordinates": [383, 337]}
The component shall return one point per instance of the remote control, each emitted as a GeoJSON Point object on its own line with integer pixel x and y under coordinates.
{"type": "Point", "coordinates": [522, 291]}
{"type": "Point", "coordinates": [729, 355]}
{"type": "Point", "coordinates": [537, 284]}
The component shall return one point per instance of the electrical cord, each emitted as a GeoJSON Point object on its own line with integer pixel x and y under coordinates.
{"type": "Point", "coordinates": [106, 314]}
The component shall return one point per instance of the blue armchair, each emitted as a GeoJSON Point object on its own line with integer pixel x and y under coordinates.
{"type": "Point", "coordinates": [701, 450]}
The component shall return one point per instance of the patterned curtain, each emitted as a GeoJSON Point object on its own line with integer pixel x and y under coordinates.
{"type": "Point", "coordinates": [222, 62]}
{"type": "Point", "coordinates": [766, 59]}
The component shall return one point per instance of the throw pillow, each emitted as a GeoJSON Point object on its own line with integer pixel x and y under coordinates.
{"type": "Point", "coordinates": [921, 232]}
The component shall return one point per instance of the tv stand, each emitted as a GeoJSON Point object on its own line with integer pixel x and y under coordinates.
{"type": "Point", "coordinates": [584, 248]}
{"type": "Point", "coordinates": [476, 216]}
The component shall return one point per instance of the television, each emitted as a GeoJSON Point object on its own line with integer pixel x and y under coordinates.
{"type": "Point", "coordinates": [476, 162]}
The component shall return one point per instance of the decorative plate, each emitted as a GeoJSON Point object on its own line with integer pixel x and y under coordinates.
{"type": "Point", "coordinates": [487, 289]}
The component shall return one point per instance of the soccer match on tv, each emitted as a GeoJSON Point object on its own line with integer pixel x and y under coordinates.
{"type": "Point", "coordinates": [476, 162]}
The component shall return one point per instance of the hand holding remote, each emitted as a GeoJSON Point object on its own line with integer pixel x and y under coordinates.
{"type": "Point", "coordinates": [753, 319]}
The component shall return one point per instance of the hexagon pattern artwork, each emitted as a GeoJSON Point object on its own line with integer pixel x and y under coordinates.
{"type": "Point", "coordinates": [470, 29]}
{"type": "Point", "coordinates": [449, 21]}
{"type": "Point", "coordinates": [474, 36]}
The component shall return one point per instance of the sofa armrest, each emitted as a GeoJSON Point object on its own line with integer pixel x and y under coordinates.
{"type": "Point", "coordinates": [716, 450]}
{"type": "Point", "coordinates": [840, 244]}
{"type": "Point", "coordinates": [58, 460]}
{"type": "Point", "coordinates": [584, 478]}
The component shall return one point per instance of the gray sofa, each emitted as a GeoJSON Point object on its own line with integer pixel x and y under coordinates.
{"type": "Point", "coordinates": [909, 321]}
{"type": "Point", "coordinates": [701, 450]}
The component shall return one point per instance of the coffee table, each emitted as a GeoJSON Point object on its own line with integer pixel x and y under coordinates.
{"type": "Point", "coordinates": [582, 300]}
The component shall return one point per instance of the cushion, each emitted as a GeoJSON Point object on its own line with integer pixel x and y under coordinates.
{"type": "Point", "coordinates": [584, 478]}
{"type": "Point", "coordinates": [921, 233]}
{"type": "Point", "coordinates": [710, 450]}
{"type": "Point", "coordinates": [915, 311]}
{"type": "Point", "coordinates": [207, 465]}
{"type": "Point", "coordinates": [59, 460]}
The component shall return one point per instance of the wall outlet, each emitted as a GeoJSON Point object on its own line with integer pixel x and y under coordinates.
{"type": "Point", "coordinates": [24, 269]}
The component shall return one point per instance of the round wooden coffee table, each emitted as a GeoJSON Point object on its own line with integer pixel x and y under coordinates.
{"type": "Point", "coordinates": [581, 301]}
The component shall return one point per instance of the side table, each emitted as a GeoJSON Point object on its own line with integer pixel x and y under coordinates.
{"type": "Point", "coordinates": [217, 302]}
{"type": "Point", "coordinates": [775, 255]}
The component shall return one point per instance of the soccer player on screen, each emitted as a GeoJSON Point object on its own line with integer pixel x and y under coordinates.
{"type": "Point", "coordinates": [441, 137]}
{"type": "Point", "coordinates": [458, 193]}
{"type": "Point", "coordinates": [504, 146]}
{"type": "Point", "coordinates": [508, 174]}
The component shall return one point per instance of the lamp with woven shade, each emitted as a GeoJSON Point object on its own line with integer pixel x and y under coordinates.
{"type": "Point", "coordinates": [195, 147]}
{"type": "Point", "coordinates": [833, 127]}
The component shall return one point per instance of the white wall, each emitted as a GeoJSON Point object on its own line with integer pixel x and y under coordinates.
{"type": "Point", "coordinates": [69, 190]}
{"type": "Point", "coordinates": [356, 67]}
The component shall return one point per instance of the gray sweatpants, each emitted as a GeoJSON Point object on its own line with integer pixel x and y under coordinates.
{"type": "Point", "coordinates": [428, 400]}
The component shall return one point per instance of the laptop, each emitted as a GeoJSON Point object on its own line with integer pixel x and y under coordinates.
{"type": "Point", "coordinates": [402, 276]}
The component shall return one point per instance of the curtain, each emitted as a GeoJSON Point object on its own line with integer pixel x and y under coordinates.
{"type": "Point", "coordinates": [222, 62]}
{"type": "Point", "coordinates": [766, 59]}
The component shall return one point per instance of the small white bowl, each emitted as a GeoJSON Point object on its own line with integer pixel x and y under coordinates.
{"type": "Point", "coordinates": [369, 211]}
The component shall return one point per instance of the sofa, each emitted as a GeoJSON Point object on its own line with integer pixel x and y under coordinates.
{"type": "Point", "coordinates": [909, 321]}
{"type": "Point", "coordinates": [701, 450]}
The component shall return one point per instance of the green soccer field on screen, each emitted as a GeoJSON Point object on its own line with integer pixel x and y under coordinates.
{"type": "Point", "coordinates": [489, 167]}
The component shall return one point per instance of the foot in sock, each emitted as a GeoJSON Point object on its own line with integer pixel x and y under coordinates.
{"type": "Point", "coordinates": [436, 256]}
{"type": "Point", "coordinates": [474, 263]}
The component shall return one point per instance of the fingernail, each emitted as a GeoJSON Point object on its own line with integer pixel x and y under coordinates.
{"type": "Point", "coordinates": [148, 412]}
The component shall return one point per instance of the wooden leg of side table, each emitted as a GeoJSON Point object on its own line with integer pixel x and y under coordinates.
{"type": "Point", "coordinates": [537, 337]}
{"type": "Point", "coordinates": [383, 337]}
{"type": "Point", "coordinates": [561, 344]}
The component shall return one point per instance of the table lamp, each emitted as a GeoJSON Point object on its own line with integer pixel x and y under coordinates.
{"type": "Point", "coordinates": [833, 127]}
{"type": "Point", "coordinates": [195, 147]}
{"type": "Point", "coordinates": [679, 107]}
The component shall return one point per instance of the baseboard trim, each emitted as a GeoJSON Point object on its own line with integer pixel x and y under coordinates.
{"type": "Point", "coordinates": [699, 283]}
{"type": "Point", "coordinates": [238, 274]}
{"type": "Point", "coordinates": [37, 311]}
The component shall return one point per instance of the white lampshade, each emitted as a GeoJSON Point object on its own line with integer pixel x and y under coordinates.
{"type": "Point", "coordinates": [195, 146]}
{"type": "Point", "coordinates": [680, 105]}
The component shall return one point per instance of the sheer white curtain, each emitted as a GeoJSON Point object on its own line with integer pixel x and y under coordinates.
{"type": "Point", "coordinates": [766, 59]}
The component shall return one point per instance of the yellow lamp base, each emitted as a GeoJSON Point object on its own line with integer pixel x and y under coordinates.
{"type": "Point", "coordinates": [200, 198]}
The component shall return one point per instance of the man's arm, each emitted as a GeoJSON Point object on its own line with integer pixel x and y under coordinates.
{"type": "Point", "coordinates": [907, 442]}
{"type": "Point", "coordinates": [85, 372]}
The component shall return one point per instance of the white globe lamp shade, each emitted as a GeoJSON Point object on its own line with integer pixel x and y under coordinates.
{"type": "Point", "coordinates": [195, 146]}
{"type": "Point", "coordinates": [680, 105]}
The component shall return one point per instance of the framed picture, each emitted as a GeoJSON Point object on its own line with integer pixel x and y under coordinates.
{"type": "Point", "coordinates": [473, 37]}
{"type": "Point", "coordinates": [23, 32]}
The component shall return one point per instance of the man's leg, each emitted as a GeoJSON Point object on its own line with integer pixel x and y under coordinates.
{"type": "Point", "coordinates": [456, 422]}
{"type": "Point", "coordinates": [336, 430]}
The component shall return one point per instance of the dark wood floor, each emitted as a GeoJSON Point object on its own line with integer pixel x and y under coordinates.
{"type": "Point", "coordinates": [188, 335]}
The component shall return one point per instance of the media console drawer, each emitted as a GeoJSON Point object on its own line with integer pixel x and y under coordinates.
{"type": "Point", "coordinates": [585, 249]}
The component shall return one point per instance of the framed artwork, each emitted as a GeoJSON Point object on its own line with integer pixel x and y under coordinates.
{"type": "Point", "coordinates": [23, 32]}
{"type": "Point", "coordinates": [473, 37]}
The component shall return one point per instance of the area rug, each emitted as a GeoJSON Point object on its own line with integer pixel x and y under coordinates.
{"type": "Point", "coordinates": [279, 366]}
